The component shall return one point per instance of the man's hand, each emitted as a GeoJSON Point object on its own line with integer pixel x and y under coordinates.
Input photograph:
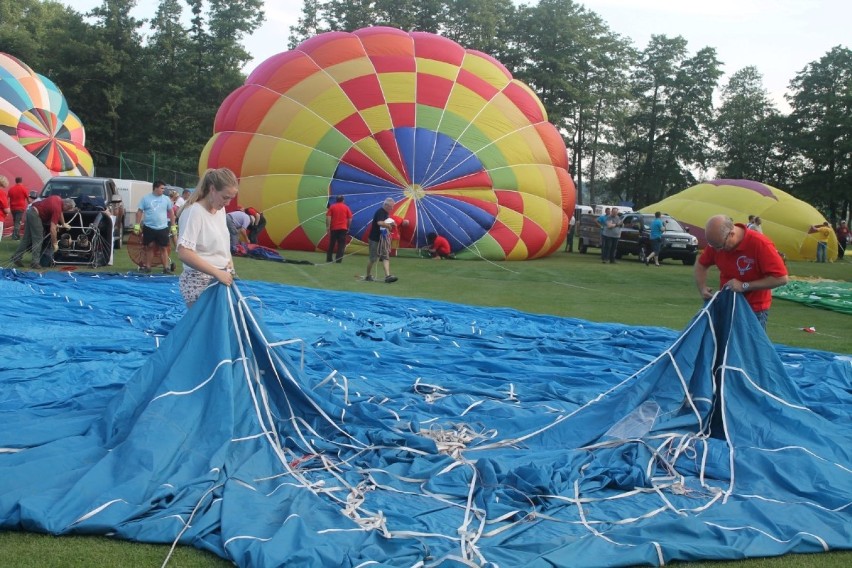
{"type": "Point", "coordinates": [55, 246]}
{"type": "Point", "coordinates": [137, 228]}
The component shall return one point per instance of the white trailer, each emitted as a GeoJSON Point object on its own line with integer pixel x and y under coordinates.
{"type": "Point", "coordinates": [132, 191]}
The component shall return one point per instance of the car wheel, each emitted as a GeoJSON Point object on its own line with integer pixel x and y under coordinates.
{"type": "Point", "coordinates": [688, 260]}
{"type": "Point", "coordinates": [582, 247]}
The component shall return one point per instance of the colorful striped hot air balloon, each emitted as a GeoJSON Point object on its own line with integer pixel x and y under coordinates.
{"type": "Point", "coordinates": [463, 149]}
{"type": "Point", "coordinates": [35, 114]}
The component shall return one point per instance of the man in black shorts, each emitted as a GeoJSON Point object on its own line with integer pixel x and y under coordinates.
{"type": "Point", "coordinates": [380, 241]}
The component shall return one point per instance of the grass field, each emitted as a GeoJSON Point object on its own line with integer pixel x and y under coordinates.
{"type": "Point", "coordinates": [571, 285]}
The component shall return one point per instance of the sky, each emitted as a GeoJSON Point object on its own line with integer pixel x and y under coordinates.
{"type": "Point", "coordinates": [779, 37]}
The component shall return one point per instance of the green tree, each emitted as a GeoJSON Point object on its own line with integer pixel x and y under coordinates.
{"type": "Point", "coordinates": [745, 140]}
{"type": "Point", "coordinates": [821, 99]}
{"type": "Point", "coordinates": [670, 122]}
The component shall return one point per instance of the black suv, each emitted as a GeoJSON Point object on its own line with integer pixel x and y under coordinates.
{"type": "Point", "coordinates": [635, 239]}
{"type": "Point", "coordinates": [92, 196]}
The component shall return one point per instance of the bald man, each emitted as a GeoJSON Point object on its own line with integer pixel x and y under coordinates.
{"type": "Point", "coordinates": [748, 263]}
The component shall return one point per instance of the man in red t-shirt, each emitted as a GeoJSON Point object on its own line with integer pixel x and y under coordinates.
{"type": "Point", "coordinates": [49, 211]}
{"type": "Point", "coordinates": [18, 201]}
{"type": "Point", "coordinates": [439, 247]}
{"type": "Point", "coordinates": [338, 217]}
{"type": "Point", "coordinates": [748, 263]}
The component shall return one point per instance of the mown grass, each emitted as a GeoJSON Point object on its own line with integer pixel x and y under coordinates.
{"type": "Point", "coordinates": [570, 285]}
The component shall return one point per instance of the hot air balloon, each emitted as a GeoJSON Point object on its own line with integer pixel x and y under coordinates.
{"type": "Point", "coordinates": [464, 149]}
{"type": "Point", "coordinates": [35, 115]}
{"type": "Point", "coordinates": [785, 219]}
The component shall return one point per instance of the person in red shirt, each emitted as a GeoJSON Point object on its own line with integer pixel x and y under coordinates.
{"type": "Point", "coordinates": [748, 263]}
{"type": "Point", "coordinates": [18, 201]}
{"type": "Point", "coordinates": [338, 218]}
{"type": "Point", "coordinates": [439, 247]}
{"type": "Point", "coordinates": [4, 203]}
{"type": "Point", "coordinates": [49, 211]}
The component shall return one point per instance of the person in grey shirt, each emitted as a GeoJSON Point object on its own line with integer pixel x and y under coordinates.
{"type": "Point", "coordinates": [611, 234]}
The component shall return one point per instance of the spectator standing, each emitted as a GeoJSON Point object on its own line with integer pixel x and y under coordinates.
{"type": "Point", "coordinates": [203, 242]}
{"type": "Point", "coordinates": [4, 204]}
{"type": "Point", "coordinates": [569, 241]}
{"type": "Point", "coordinates": [49, 211]}
{"type": "Point", "coordinates": [611, 234]}
{"type": "Point", "coordinates": [258, 222]}
{"type": "Point", "coordinates": [748, 263]}
{"type": "Point", "coordinates": [338, 219]}
{"type": "Point", "coordinates": [18, 201]}
{"type": "Point", "coordinates": [155, 220]}
{"type": "Point", "coordinates": [757, 225]}
{"type": "Point", "coordinates": [843, 238]}
{"type": "Point", "coordinates": [821, 234]}
{"type": "Point", "coordinates": [602, 224]}
{"type": "Point", "coordinates": [380, 242]}
{"type": "Point", "coordinates": [238, 223]}
{"type": "Point", "coordinates": [656, 230]}
{"type": "Point", "coordinates": [439, 247]}
{"type": "Point", "coordinates": [181, 201]}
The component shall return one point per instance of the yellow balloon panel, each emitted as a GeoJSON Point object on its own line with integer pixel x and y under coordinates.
{"type": "Point", "coordinates": [438, 68]}
{"type": "Point", "coordinates": [397, 87]}
{"type": "Point", "coordinates": [486, 69]}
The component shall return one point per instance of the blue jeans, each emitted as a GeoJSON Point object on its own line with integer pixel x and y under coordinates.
{"type": "Point", "coordinates": [822, 247]}
{"type": "Point", "coordinates": [762, 317]}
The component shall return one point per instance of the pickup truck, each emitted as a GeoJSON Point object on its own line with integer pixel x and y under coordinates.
{"type": "Point", "coordinates": [92, 196]}
{"type": "Point", "coordinates": [677, 243]}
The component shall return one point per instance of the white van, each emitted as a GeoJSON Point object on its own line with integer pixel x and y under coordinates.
{"type": "Point", "coordinates": [599, 209]}
{"type": "Point", "coordinates": [132, 191]}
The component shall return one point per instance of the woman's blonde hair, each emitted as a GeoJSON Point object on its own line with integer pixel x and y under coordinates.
{"type": "Point", "coordinates": [4, 182]}
{"type": "Point", "coordinates": [218, 179]}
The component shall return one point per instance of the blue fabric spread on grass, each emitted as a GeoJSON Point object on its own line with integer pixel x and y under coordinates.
{"type": "Point", "coordinates": [415, 431]}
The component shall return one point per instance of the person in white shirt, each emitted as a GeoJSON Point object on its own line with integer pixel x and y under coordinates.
{"type": "Point", "coordinates": [204, 240]}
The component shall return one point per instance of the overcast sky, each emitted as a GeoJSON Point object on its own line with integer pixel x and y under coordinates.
{"type": "Point", "coordinates": [779, 37]}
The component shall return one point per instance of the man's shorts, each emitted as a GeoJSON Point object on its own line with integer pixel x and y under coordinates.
{"type": "Point", "coordinates": [159, 236]}
{"type": "Point", "coordinates": [379, 250]}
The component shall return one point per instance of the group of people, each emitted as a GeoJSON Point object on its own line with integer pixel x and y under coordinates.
{"type": "Point", "coordinates": [383, 237]}
{"type": "Point", "coordinates": [747, 260]}
{"type": "Point", "coordinates": [822, 233]}
{"type": "Point", "coordinates": [14, 201]}
{"type": "Point", "coordinates": [22, 205]}
{"type": "Point", "coordinates": [611, 224]}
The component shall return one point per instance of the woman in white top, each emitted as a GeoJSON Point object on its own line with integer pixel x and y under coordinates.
{"type": "Point", "coordinates": [204, 243]}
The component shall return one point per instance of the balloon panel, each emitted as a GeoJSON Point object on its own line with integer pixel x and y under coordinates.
{"type": "Point", "coordinates": [785, 219]}
{"type": "Point", "coordinates": [383, 113]}
{"type": "Point", "coordinates": [35, 114]}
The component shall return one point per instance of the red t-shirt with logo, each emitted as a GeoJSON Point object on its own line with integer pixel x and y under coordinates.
{"type": "Point", "coordinates": [754, 258]}
{"type": "Point", "coordinates": [340, 215]}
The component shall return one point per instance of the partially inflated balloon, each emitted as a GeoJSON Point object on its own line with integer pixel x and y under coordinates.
{"type": "Point", "coordinates": [34, 113]}
{"type": "Point", "coordinates": [462, 148]}
{"type": "Point", "coordinates": [786, 220]}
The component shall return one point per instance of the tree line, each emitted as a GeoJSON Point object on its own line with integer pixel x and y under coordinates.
{"type": "Point", "coordinates": [641, 123]}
